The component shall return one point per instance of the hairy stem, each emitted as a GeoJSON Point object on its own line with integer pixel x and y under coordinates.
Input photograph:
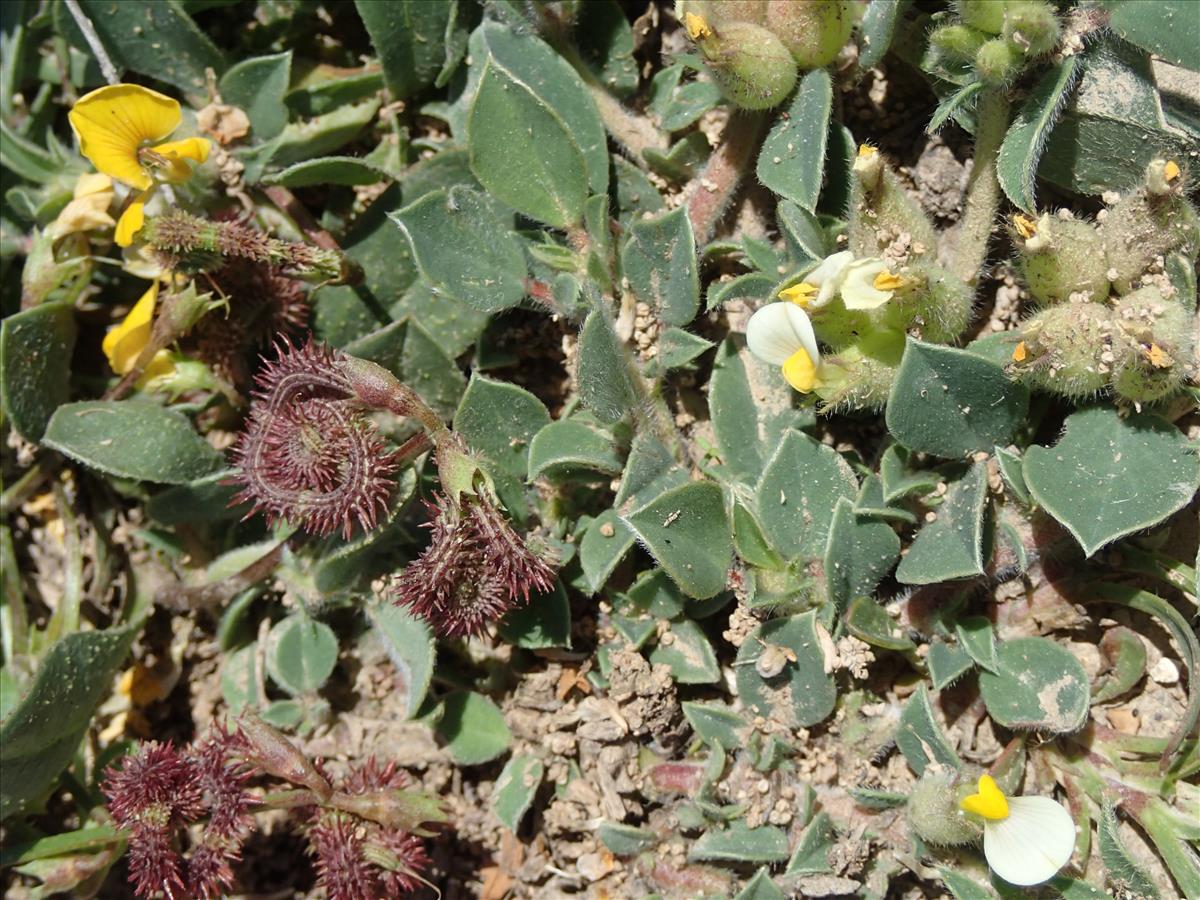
{"type": "Point", "coordinates": [111, 75]}
{"type": "Point", "coordinates": [983, 187]}
{"type": "Point", "coordinates": [710, 193]}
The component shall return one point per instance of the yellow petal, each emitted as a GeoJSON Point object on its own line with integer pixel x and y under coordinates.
{"type": "Point", "coordinates": [1171, 170]}
{"type": "Point", "coordinates": [175, 152]}
{"type": "Point", "coordinates": [697, 28]}
{"type": "Point", "coordinates": [1159, 358]}
{"type": "Point", "coordinates": [113, 123]}
{"type": "Point", "coordinates": [84, 214]}
{"type": "Point", "coordinates": [92, 183]}
{"type": "Point", "coordinates": [800, 294]}
{"type": "Point", "coordinates": [886, 281]}
{"type": "Point", "coordinates": [800, 371]}
{"type": "Point", "coordinates": [865, 151]}
{"type": "Point", "coordinates": [1020, 352]}
{"type": "Point", "coordinates": [131, 222]}
{"type": "Point", "coordinates": [124, 344]}
{"type": "Point", "coordinates": [990, 803]}
{"type": "Point", "coordinates": [1025, 226]}
{"type": "Point", "coordinates": [161, 366]}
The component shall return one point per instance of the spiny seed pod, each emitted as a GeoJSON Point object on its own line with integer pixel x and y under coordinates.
{"type": "Point", "coordinates": [1067, 349]}
{"type": "Point", "coordinates": [753, 68]}
{"type": "Point", "coordinates": [986, 15]}
{"type": "Point", "coordinates": [1151, 222]}
{"type": "Point", "coordinates": [935, 814]}
{"type": "Point", "coordinates": [884, 219]}
{"type": "Point", "coordinates": [1061, 256]}
{"type": "Point", "coordinates": [931, 304]}
{"type": "Point", "coordinates": [813, 30]}
{"type": "Point", "coordinates": [1156, 345]}
{"type": "Point", "coordinates": [1031, 26]}
{"type": "Point", "coordinates": [960, 42]}
{"type": "Point", "coordinates": [999, 61]}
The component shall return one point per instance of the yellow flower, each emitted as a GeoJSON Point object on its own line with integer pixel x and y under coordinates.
{"type": "Point", "coordinates": [121, 129]}
{"type": "Point", "coordinates": [89, 207]}
{"type": "Point", "coordinates": [125, 343]}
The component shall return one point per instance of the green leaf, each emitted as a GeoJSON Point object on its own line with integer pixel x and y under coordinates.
{"type": "Point", "coordinates": [688, 653]}
{"type": "Point", "coordinates": [876, 30]}
{"type": "Point", "coordinates": [35, 373]}
{"type": "Point", "coordinates": [41, 735]}
{"type": "Point", "coordinates": [327, 170]}
{"type": "Point", "coordinates": [798, 493]}
{"type": "Point", "coordinates": [473, 728]}
{"type": "Point", "coordinates": [410, 38]}
{"type": "Point", "coordinates": [1010, 464]}
{"type": "Point", "coordinates": [1037, 685]}
{"type": "Point", "coordinates": [427, 369]}
{"type": "Point", "coordinates": [545, 621]}
{"type": "Point", "coordinates": [680, 105]}
{"type": "Point", "coordinates": [318, 136]}
{"type": "Point", "coordinates": [952, 545]}
{"type": "Point", "coordinates": [258, 85]}
{"type": "Point", "coordinates": [858, 554]}
{"type": "Point", "coordinates": [947, 663]}
{"type": "Point", "coordinates": [498, 420]}
{"type": "Point", "coordinates": [870, 502]}
{"type": "Point", "coordinates": [792, 160]}
{"type": "Point", "coordinates": [1111, 475]}
{"type": "Point", "coordinates": [803, 693]}
{"type": "Point", "coordinates": [716, 724]}
{"type": "Point", "coordinates": [515, 788]}
{"type": "Point", "coordinates": [682, 160]}
{"type": "Point", "coordinates": [159, 40]}
{"type": "Point", "coordinates": [207, 499]}
{"type": "Point", "coordinates": [811, 856]}
{"type": "Point", "coordinates": [951, 403]}
{"type": "Point", "coordinates": [963, 888]}
{"type": "Point", "coordinates": [676, 349]}
{"type": "Point", "coordinates": [1026, 139]}
{"type": "Point", "coordinates": [741, 844]}
{"type": "Point", "coordinates": [523, 152]}
{"type": "Point", "coordinates": [26, 159]}
{"type": "Point", "coordinates": [131, 439]}
{"type": "Point", "coordinates": [301, 653]}
{"type": "Point", "coordinates": [920, 737]}
{"type": "Point", "coordinates": [625, 840]}
{"type": "Point", "coordinates": [240, 680]}
{"type": "Point", "coordinates": [760, 887]}
{"type": "Point", "coordinates": [604, 381]}
{"type": "Point", "coordinates": [605, 41]}
{"type": "Point", "coordinates": [687, 532]}
{"type": "Point", "coordinates": [1119, 864]}
{"type": "Point", "coordinates": [1167, 28]}
{"type": "Point", "coordinates": [870, 622]}
{"type": "Point", "coordinates": [410, 647]}
{"type": "Point", "coordinates": [659, 260]}
{"type": "Point", "coordinates": [977, 637]}
{"type": "Point", "coordinates": [565, 447]}
{"type": "Point", "coordinates": [802, 232]}
{"type": "Point", "coordinates": [462, 251]}
{"type": "Point", "coordinates": [604, 545]}
{"type": "Point", "coordinates": [952, 105]}
{"type": "Point", "coordinates": [1125, 655]}
{"type": "Point", "coordinates": [453, 326]}
{"type": "Point", "coordinates": [898, 480]}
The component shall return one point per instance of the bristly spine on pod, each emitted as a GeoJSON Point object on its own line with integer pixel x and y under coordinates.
{"type": "Point", "coordinates": [310, 455]}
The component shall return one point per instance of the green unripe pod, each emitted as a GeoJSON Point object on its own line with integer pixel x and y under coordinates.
{"type": "Point", "coordinates": [882, 212]}
{"type": "Point", "coordinates": [959, 42]}
{"type": "Point", "coordinates": [1149, 223]}
{"type": "Point", "coordinates": [753, 68]}
{"type": "Point", "coordinates": [986, 15]}
{"type": "Point", "coordinates": [1060, 256]}
{"type": "Point", "coordinates": [998, 62]}
{"type": "Point", "coordinates": [1031, 26]}
{"type": "Point", "coordinates": [1068, 349]}
{"type": "Point", "coordinates": [934, 812]}
{"type": "Point", "coordinates": [1156, 345]}
{"type": "Point", "coordinates": [932, 304]}
{"type": "Point", "coordinates": [814, 31]}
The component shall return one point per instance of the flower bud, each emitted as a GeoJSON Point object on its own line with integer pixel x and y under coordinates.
{"type": "Point", "coordinates": [1156, 344]}
{"type": "Point", "coordinates": [1031, 26]}
{"type": "Point", "coordinates": [883, 217]}
{"type": "Point", "coordinates": [813, 30]}
{"type": "Point", "coordinates": [1148, 224]}
{"type": "Point", "coordinates": [959, 42]}
{"type": "Point", "coordinates": [998, 62]}
{"type": "Point", "coordinates": [860, 376]}
{"type": "Point", "coordinates": [931, 304]}
{"type": "Point", "coordinates": [986, 15]}
{"type": "Point", "coordinates": [934, 812]}
{"type": "Point", "coordinates": [752, 66]}
{"type": "Point", "coordinates": [1068, 349]}
{"type": "Point", "coordinates": [1060, 257]}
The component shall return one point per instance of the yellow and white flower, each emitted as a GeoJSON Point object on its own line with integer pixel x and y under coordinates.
{"type": "Point", "coordinates": [869, 284]}
{"type": "Point", "coordinates": [821, 284]}
{"type": "Point", "coordinates": [780, 334]}
{"type": "Point", "coordinates": [121, 130]}
{"type": "Point", "coordinates": [1026, 839]}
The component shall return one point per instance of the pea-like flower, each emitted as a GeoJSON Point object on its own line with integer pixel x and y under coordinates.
{"type": "Point", "coordinates": [121, 130]}
{"type": "Point", "coordinates": [869, 284]}
{"type": "Point", "coordinates": [88, 208]}
{"type": "Point", "coordinates": [1026, 839]}
{"type": "Point", "coordinates": [821, 284]}
{"type": "Point", "coordinates": [125, 343]}
{"type": "Point", "coordinates": [780, 334]}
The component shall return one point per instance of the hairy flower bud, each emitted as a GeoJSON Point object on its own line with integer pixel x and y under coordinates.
{"type": "Point", "coordinates": [1030, 25]}
{"type": "Point", "coordinates": [1068, 349]}
{"type": "Point", "coordinates": [998, 62]}
{"type": "Point", "coordinates": [814, 31]}
{"type": "Point", "coordinates": [959, 42]}
{"type": "Point", "coordinates": [986, 15]}
{"type": "Point", "coordinates": [721, 12]}
{"type": "Point", "coordinates": [1156, 345]}
{"type": "Point", "coordinates": [1147, 224]}
{"type": "Point", "coordinates": [752, 66]}
{"type": "Point", "coordinates": [1061, 256]}
{"type": "Point", "coordinates": [884, 220]}
{"type": "Point", "coordinates": [931, 304]}
{"type": "Point", "coordinates": [934, 812]}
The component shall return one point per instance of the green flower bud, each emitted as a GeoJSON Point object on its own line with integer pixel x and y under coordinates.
{"type": "Point", "coordinates": [1154, 221]}
{"type": "Point", "coordinates": [931, 304]}
{"type": "Point", "coordinates": [960, 42]}
{"type": "Point", "coordinates": [813, 30]}
{"type": "Point", "coordinates": [860, 376]}
{"type": "Point", "coordinates": [986, 15]}
{"type": "Point", "coordinates": [882, 214]}
{"type": "Point", "coordinates": [998, 62]}
{"type": "Point", "coordinates": [1060, 256]}
{"type": "Point", "coordinates": [1031, 26]}
{"type": "Point", "coordinates": [1156, 345]}
{"type": "Point", "coordinates": [934, 812]}
{"type": "Point", "coordinates": [1067, 349]}
{"type": "Point", "coordinates": [751, 65]}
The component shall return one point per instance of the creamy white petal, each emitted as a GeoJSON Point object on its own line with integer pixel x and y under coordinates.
{"type": "Point", "coordinates": [858, 285]}
{"type": "Point", "coordinates": [830, 269]}
{"type": "Point", "coordinates": [1033, 843]}
{"type": "Point", "coordinates": [778, 330]}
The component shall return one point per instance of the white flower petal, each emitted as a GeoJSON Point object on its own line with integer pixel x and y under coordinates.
{"type": "Point", "coordinates": [830, 269]}
{"type": "Point", "coordinates": [778, 330]}
{"type": "Point", "coordinates": [858, 286]}
{"type": "Point", "coordinates": [1033, 843]}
